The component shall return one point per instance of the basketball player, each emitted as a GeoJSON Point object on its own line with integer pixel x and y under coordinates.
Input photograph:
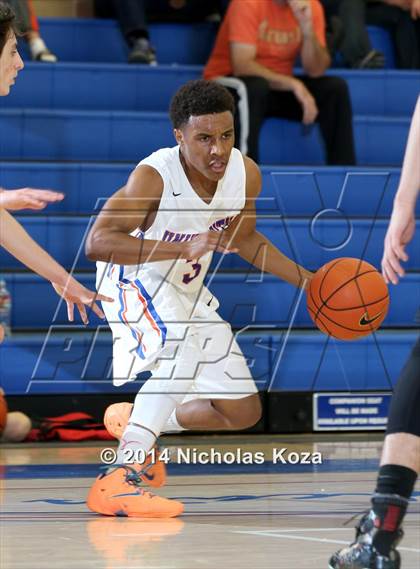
{"type": "Point", "coordinates": [154, 240]}
{"type": "Point", "coordinates": [379, 531]}
{"type": "Point", "coordinates": [13, 237]}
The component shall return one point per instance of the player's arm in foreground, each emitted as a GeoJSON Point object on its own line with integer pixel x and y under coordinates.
{"type": "Point", "coordinates": [403, 223]}
{"type": "Point", "coordinates": [18, 243]}
{"type": "Point", "coordinates": [255, 247]}
{"type": "Point", "coordinates": [28, 198]}
{"type": "Point", "coordinates": [132, 207]}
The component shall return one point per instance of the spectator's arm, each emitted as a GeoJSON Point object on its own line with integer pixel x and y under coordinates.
{"type": "Point", "coordinates": [243, 58]}
{"type": "Point", "coordinates": [244, 63]}
{"type": "Point", "coordinates": [315, 57]}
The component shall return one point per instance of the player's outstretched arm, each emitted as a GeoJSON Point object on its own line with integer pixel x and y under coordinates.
{"type": "Point", "coordinates": [255, 247]}
{"type": "Point", "coordinates": [28, 198]}
{"type": "Point", "coordinates": [18, 243]}
{"type": "Point", "coordinates": [402, 224]}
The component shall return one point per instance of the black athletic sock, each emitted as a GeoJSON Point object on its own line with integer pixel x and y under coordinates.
{"type": "Point", "coordinates": [389, 505]}
{"type": "Point", "coordinates": [394, 479]}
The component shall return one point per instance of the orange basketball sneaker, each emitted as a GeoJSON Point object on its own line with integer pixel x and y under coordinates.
{"type": "Point", "coordinates": [115, 420]}
{"type": "Point", "coordinates": [119, 493]}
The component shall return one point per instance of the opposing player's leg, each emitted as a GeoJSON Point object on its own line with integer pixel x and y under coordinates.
{"type": "Point", "coordinates": [380, 531]}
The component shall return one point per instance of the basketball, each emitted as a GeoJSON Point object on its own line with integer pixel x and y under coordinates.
{"type": "Point", "coordinates": [3, 413]}
{"type": "Point", "coordinates": [347, 299]}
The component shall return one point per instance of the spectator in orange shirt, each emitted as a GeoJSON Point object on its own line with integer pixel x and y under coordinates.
{"type": "Point", "coordinates": [258, 43]}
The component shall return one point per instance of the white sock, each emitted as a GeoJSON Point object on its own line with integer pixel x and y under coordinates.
{"type": "Point", "coordinates": [152, 410]}
{"type": "Point", "coordinates": [37, 45]}
{"type": "Point", "coordinates": [134, 445]}
{"type": "Point", "coordinates": [172, 425]}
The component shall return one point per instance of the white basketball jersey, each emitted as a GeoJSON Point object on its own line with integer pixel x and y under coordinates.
{"type": "Point", "coordinates": [182, 214]}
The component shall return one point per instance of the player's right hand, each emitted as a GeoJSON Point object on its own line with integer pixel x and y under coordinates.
{"type": "Point", "coordinates": [205, 243]}
{"type": "Point", "coordinates": [310, 110]}
{"type": "Point", "coordinates": [400, 233]}
{"type": "Point", "coordinates": [28, 198]}
{"type": "Point", "coordinates": [76, 294]}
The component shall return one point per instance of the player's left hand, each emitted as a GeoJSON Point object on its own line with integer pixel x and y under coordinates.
{"type": "Point", "coordinates": [302, 10]}
{"type": "Point", "coordinates": [76, 294]}
{"type": "Point", "coordinates": [28, 198]}
{"type": "Point", "coordinates": [400, 233]}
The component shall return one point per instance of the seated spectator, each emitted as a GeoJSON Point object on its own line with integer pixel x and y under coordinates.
{"type": "Point", "coordinates": [258, 43]}
{"type": "Point", "coordinates": [134, 15]}
{"type": "Point", "coordinates": [29, 28]}
{"type": "Point", "coordinates": [353, 42]}
{"type": "Point", "coordinates": [401, 18]}
{"type": "Point", "coordinates": [397, 16]}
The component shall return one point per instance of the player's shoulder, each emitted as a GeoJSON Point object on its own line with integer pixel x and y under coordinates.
{"type": "Point", "coordinates": [161, 158]}
{"type": "Point", "coordinates": [148, 176]}
{"type": "Point", "coordinates": [253, 176]}
{"type": "Point", "coordinates": [145, 181]}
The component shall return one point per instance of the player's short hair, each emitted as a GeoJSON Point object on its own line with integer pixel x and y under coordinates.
{"type": "Point", "coordinates": [199, 97]}
{"type": "Point", "coordinates": [7, 24]}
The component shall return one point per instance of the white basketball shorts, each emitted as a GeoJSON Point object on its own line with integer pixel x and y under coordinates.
{"type": "Point", "coordinates": [152, 323]}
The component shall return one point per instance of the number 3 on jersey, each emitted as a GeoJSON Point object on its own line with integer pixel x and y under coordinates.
{"type": "Point", "coordinates": [196, 268]}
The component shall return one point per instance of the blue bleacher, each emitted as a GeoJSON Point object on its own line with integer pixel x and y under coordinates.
{"type": "Point", "coordinates": [122, 87]}
{"type": "Point", "coordinates": [246, 300]}
{"type": "Point", "coordinates": [42, 134]}
{"type": "Point", "coordinates": [309, 243]}
{"type": "Point", "coordinates": [100, 41]}
{"type": "Point", "coordinates": [388, 96]}
{"type": "Point", "coordinates": [379, 141]}
{"type": "Point", "coordinates": [293, 191]}
{"type": "Point", "coordinates": [89, 120]}
{"type": "Point", "coordinates": [80, 363]}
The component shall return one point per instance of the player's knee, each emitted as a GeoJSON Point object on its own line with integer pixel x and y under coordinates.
{"type": "Point", "coordinates": [255, 413]}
